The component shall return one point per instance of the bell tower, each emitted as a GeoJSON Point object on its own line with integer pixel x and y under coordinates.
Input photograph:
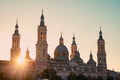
{"type": "Point", "coordinates": [15, 50]}
{"type": "Point", "coordinates": [73, 47]}
{"type": "Point", "coordinates": [41, 46]}
{"type": "Point", "coordinates": [101, 55]}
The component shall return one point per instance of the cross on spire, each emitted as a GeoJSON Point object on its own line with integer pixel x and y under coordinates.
{"type": "Point", "coordinates": [42, 11]}
{"type": "Point", "coordinates": [61, 34]}
{"type": "Point", "coordinates": [42, 23]}
{"type": "Point", "coordinates": [100, 28]}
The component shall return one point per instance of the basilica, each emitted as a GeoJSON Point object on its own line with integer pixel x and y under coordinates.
{"type": "Point", "coordinates": [61, 62]}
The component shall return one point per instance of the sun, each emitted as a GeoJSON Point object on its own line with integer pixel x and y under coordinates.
{"type": "Point", "coordinates": [20, 61]}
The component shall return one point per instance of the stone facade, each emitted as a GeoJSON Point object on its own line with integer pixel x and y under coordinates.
{"type": "Point", "coordinates": [61, 62]}
{"type": "Point", "coordinates": [41, 47]}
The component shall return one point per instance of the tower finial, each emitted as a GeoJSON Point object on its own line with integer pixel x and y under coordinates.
{"type": "Point", "coordinates": [100, 34]}
{"type": "Point", "coordinates": [73, 34]}
{"type": "Point", "coordinates": [42, 23]}
{"type": "Point", "coordinates": [90, 51]}
{"type": "Point", "coordinates": [100, 28]}
{"type": "Point", "coordinates": [61, 40]}
{"type": "Point", "coordinates": [73, 43]}
{"type": "Point", "coordinates": [16, 21]}
{"type": "Point", "coordinates": [16, 24]}
{"type": "Point", "coordinates": [42, 11]}
{"type": "Point", "coordinates": [91, 54]}
{"type": "Point", "coordinates": [61, 34]}
{"type": "Point", "coordinates": [16, 28]}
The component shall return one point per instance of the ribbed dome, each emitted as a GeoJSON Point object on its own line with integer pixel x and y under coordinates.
{"type": "Point", "coordinates": [61, 48]}
{"type": "Point", "coordinates": [60, 58]}
{"type": "Point", "coordinates": [91, 61]}
{"type": "Point", "coordinates": [61, 52]}
{"type": "Point", "coordinates": [77, 58]}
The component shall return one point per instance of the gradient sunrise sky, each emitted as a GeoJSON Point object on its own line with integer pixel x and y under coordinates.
{"type": "Point", "coordinates": [82, 17]}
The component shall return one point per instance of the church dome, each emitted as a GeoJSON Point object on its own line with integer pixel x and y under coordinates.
{"type": "Point", "coordinates": [77, 58]}
{"type": "Point", "coordinates": [91, 61]}
{"type": "Point", "coordinates": [61, 51]}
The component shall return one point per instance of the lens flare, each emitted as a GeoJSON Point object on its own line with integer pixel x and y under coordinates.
{"type": "Point", "coordinates": [20, 62]}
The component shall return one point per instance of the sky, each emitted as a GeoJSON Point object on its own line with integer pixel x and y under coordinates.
{"type": "Point", "coordinates": [82, 17]}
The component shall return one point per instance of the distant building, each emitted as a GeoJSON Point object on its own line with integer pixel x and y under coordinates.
{"type": "Point", "coordinates": [61, 62]}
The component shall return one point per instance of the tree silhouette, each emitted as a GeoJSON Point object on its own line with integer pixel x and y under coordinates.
{"type": "Point", "coordinates": [109, 77]}
{"type": "Point", "coordinates": [50, 74]}
{"type": "Point", "coordinates": [72, 76]}
{"type": "Point", "coordinates": [81, 77]}
{"type": "Point", "coordinates": [99, 78]}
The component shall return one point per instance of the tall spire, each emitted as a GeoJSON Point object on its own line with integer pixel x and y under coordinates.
{"type": "Point", "coordinates": [61, 40]}
{"type": "Point", "coordinates": [61, 35]}
{"type": "Point", "coordinates": [16, 29]}
{"type": "Point", "coordinates": [42, 23]}
{"type": "Point", "coordinates": [42, 11]}
{"type": "Point", "coordinates": [73, 43]}
{"type": "Point", "coordinates": [100, 35]}
{"type": "Point", "coordinates": [15, 50]}
{"type": "Point", "coordinates": [16, 24]}
{"type": "Point", "coordinates": [27, 56]}
{"type": "Point", "coordinates": [101, 55]}
{"type": "Point", "coordinates": [91, 56]}
{"type": "Point", "coordinates": [41, 46]}
{"type": "Point", "coordinates": [73, 48]}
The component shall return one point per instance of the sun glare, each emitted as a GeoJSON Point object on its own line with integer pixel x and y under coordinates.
{"type": "Point", "coordinates": [20, 61]}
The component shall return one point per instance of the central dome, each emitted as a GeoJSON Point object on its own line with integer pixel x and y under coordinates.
{"type": "Point", "coordinates": [61, 48]}
{"type": "Point", "coordinates": [61, 51]}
